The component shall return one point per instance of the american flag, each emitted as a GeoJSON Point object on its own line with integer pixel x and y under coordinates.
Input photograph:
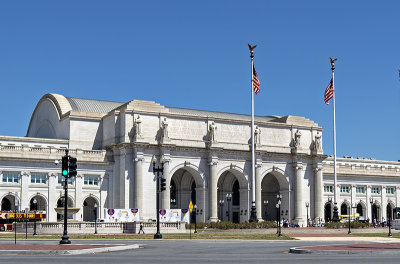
{"type": "Point", "coordinates": [328, 92]}
{"type": "Point", "coordinates": [256, 81]}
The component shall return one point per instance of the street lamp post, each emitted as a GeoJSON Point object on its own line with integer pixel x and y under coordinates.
{"type": "Point", "coordinates": [34, 220]}
{"type": "Point", "coordinates": [307, 205]}
{"type": "Point", "coordinates": [349, 232]}
{"type": "Point", "coordinates": [95, 218]}
{"type": "Point", "coordinates": [330, 203]}
{"type": "Point", "coordinates": [278, 207]}
{"type": "Point", "coordinates": [390, 225]}
{"type": "Point", "coordinates": [221, 204]}
{"type": "Point", "coordinates": [195, 218]}
{"type": "Point", "coordinates": [229, 199]}
{"type": "Point", "coordinates": [16, 203]}
{"type": "Point", "coordinates": [157, 170]}
{"type": "Point", "coordinates": [266, 208]}
{"type": "Point", "coordinates": [65, 238]}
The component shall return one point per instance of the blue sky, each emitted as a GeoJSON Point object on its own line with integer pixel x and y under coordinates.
{"type": "Point", "coordinates": [194, 54]}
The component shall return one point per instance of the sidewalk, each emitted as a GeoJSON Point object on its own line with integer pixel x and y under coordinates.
{"type": "Point", "coordinates": [365, 249]}
{"type": "Point", "coordinates": [73, 249]}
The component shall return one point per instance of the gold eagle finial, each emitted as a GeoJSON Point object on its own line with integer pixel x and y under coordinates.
{"type": "Point", "coordinates": [251, 48]}
{"type": "Point", "coordinates": [333, 62]}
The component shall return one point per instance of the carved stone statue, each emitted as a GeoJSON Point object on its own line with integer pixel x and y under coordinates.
{"type": "Point", "coordinates": [138, 127]}
{"type": "Point", "coordinates": [257, 135]}
{"type": "Point", "coordinates": [212, 132]}
{"type": "Point", "coordinates": [317, 142]}
{"type": "Point", "coordinates": [164, 126]}
{"type": "Point", "coordinates": [297, 137]}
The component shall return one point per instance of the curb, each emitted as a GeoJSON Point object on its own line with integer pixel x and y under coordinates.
{"type": "Point", "coordinates": [70, 252]}
{"type": "Point", "coordinates": [343, 252]}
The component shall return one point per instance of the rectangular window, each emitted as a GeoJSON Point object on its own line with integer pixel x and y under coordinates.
{"type": "Point", "coordinates": [360, 189]}
{"type": "Point", "coordinates": [38, 178]}
{"type": "Point", "coordinates": [344, 189]}
{"type": "Point", "coordinates": [91, 180]}
{"type": "Point", "coordinates": [328, 188]}
{"type": "Point", "coordinates": [61, 180]}
{"type": "Point", "coordinates": [375, 190]}
{"type": "Point", "coordinates": [390, 190]}
{"type": "Point", "coordinates": [10, 177]}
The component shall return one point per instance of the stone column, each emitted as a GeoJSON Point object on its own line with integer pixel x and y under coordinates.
{"type": "Point", "coordinates": [298, 198]}
{"type": "Point", "coordinates": [79, 196]}
{"type": "Point", "coordinates": [166, 195]}
{"type": "Point", "coordinates": [368, 204]}
{"type": "Point", "coordinates": [139, 184]}
{"type": "Point", "coordinates": [245, 197]}
{"type": "Point", "coordinates": [52, 197]}
{"type": "Point", "coordinates": [259, 203]}
{"type": "Point", "coordinates": [318, 187]}
{"type": "Point", "coordinates": [200, 201]}
{"type": "Point", "coordinates": [24, 202]}
{"type": "Point", "coordinates": [383, 202]}
{"type": "Point", "coordinates": [213, 191]}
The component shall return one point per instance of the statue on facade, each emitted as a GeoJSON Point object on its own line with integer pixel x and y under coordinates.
{"type": "Point", "coordinates": [138, 127]}
{"type": "Point", "coordinates": [164, 127]}
{"type": "Point", "coordinates": [212, 132]}
{"type": "Point", "coordinates": [257, 135]}
{"type": "Point", "coordinates": [317, 142]}
{"type": "Point", "coordinates": [297, 137]}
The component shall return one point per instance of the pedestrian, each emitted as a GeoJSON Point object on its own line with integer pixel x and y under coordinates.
{"type": "Point", "coordinates": [141, 228]}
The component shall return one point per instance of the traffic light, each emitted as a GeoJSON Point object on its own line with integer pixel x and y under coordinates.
{"type": "Point", "coordinates": [64, 166]}
{"type": "Point", "coordinates": [162, 184]}
{"type": "Point", "coordinates": [72, 167]}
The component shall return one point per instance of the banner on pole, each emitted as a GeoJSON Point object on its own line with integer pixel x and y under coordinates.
{"type": "Point", "coordinates": [121, 215]}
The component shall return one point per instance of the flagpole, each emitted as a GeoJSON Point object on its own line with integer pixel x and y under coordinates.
{"type": "Point", "coordinates": [253, 213]}
{"type": "Point", "coordinates": [335, 217]}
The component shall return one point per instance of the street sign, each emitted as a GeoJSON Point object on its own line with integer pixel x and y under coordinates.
{"type": "Point", "coordinates": [191, 206]}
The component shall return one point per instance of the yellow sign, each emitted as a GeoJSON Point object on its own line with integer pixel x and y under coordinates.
{"type": "Point", "coordinates": [353, 215]}
{"type": "Point", "coordinates": [190, 206]}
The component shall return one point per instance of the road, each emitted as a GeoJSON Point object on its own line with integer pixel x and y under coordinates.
{"type": "Point", "coordinates": [197, 251]}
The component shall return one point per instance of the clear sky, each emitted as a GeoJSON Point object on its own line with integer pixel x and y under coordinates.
{"type": "Point", "coordinates": [194, 54]}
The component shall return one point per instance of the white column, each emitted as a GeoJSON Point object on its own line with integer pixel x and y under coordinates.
{"type": "Point", "coordinates": [24, 202]}
{"type": "Point", "coordinates": [200, 201]}
{"type": "Point", "coordinates": [369, 208]}
{"type": "Point", "coordinates": [212, 189]}
{"type": "Point", "coordinates": [318, 187]}
{"type": "Point", "coordinates": [383, 202]}
{"type": "Point", "coordinates": [52, 197]}
{"type": "Point", "coordinates": [298, 199]}
{"type": "Point", "coordinates": [139, 183]}
{"type": "Point", "coordinates": [79, 196]}
{"type": "Point", "coordinates": [259, 203]}
{"type": "Point", "coordinates": [166, 195]}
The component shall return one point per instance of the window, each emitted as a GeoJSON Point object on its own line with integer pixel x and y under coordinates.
{"type": "Point", "coordinates": [390, 190]}
{"type": "Point", "coordinates": [375, 190]}
{"type": "Point", "coordinates": [91, 180]}
{"type": "Point", "coordinates": [344, 189]}
{"type": "Point", "coordinates": [360, 189]}
{"type": "Point", "coordinates": [61, 180]}
{"type": "Point", "coordinates": [10, 177]}
{"type": "Point", "coordinates": [328, 188]}
{"type": "Point", "coordinates": [38, 178]}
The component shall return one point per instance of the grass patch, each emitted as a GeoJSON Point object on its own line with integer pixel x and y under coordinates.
{"type": "Point", "coordinates": [207, 236]}
{"type": "Point", "coordinates": [394, 235]}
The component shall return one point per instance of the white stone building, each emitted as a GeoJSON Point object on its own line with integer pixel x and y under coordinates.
{"type": "Point", "coordinates": [206, 156]}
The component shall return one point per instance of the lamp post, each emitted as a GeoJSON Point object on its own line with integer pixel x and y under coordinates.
{"type": "Point", "coordinates": [307, 205]}
{"type": "Point", "coordinates": [266, 207]}
{"type": "Point", "coordinates": [95, 218]}
{"type": "Point", "coordinates": [349, 232]}
{"type": "Point", "coordinates": [16, 203]}
{"type": "Point", "coordinates": [389, 226]}
{"type": "Point", "coordinates": [330, 203]}
{"type": "Point", "coordinates": [371, 201]}
{"type": "Point", "coordinates": [157, 170]}
{"type": "Point", "coordinates": [229, 199]}
{"type": "Point", "coordinates": [65, 238]}
{"type": "Point", "coordinates": [34, 201]}
{"type": "Point", "coordinates": [278, 207]}
{"type": "Point", "coordinates": [221, 204]}
{"type": "Point", "coordinates": [195, 218]}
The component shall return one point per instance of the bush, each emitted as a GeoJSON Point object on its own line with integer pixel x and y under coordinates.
{"type": "Point", "coordinates": [224, 225]}
{"type": "Point", "coordinates": [353, 224]}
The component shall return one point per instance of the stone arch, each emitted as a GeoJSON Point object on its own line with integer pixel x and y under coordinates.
{"type": "Point", "coordinates": [41, 204]}
{"type": "Point", "coordinates": [389, 209]}
{"type": "Point", "coordinates": [361, 209]}
{"type": "Point", "coordinates": [194, 170]}
{"type": "Point", "coordinates": [237, 172]}
{"type": "Point", "coordinates": [280, 176]}
{"type": "Point", "coordinates": [89, 211]}
{"type": "Point", "coordinates": [60, 204]}
{"type": "Point", "coordinates": [8, 202]}
{"type": "Point", "coordinates": [344, 208]}
{"type": "Point", "coordinates": [328, 208]}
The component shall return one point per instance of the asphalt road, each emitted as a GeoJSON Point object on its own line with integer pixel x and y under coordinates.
{"type": "Point", "coordinates": [196, 251]}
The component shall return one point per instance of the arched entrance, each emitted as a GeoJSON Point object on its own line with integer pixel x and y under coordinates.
{"type": "Point", "coordinates": [90, 209]}
{"type": "Point", "coordinates": [375, 212]}
{"type": "Point", "coordinates": [60, 204]}
{"type": "Point", "coordinates": [270, 188]}
{"type": "Point", "coordinates": [230, 200]}
{"type": "Point", "coordinates": [183, 189]}
{"type": "Point", "coordinates": [344, 209]}
{"type": "Point", "coordinates": [360, 210]}
{"type": "Point", "coordinates": [389, 211]}
{"type": "Point", "coordinates": [37, 203]}
{"type": "Point", "coordinates": [328, 212]}
{"type": "Point", "coordinates": [8, 203]}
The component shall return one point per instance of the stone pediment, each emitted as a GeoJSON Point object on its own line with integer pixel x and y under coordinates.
{"type": "Point", "coordinates": [295, 120]}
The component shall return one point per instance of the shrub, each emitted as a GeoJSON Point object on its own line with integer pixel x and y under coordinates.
{"type": "Point", "coordinates": [224, 225]}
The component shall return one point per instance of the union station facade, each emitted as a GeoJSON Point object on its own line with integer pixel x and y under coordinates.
{"type": "Point", "coordinates": [206, 158]}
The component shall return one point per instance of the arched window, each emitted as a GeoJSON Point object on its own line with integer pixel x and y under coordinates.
{"type": "Point", "coordinates": [328, 212]}
{"type": "Point", "coordinates": [235, 194]}
{"type": "Point", "coordinates": [343, 209]}
{"type": "Point", "coordinates": [360, 209]}
{"type": "Point", "coordinates": [5, 205]}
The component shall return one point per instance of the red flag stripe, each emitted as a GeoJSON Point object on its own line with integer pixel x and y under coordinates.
{"type": "Point", "coordinates": [256, 82]}
{"type": "Point", "coordinates": [328, 93]}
